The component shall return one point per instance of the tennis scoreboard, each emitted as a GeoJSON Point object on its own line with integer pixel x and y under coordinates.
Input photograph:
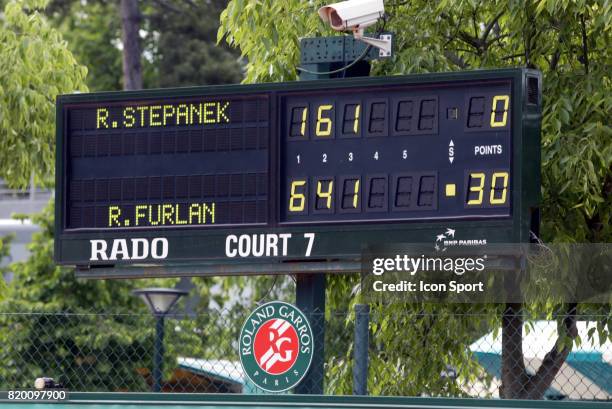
{"type": "Point", "coordinates": [296, 171]}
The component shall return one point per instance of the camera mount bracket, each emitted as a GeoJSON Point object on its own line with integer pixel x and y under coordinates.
{"type": "Point", "coordinates": [384, 43]}
{"type": "Point", "coordinates": [324, 53]}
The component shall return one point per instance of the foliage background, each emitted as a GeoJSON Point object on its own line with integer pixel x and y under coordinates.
{"type": "Point", "coordinates": [41, 43]}
{"type": "Point", "coordinates": [35, 67]}
{"type": "Point", "coordinates": [568, 41]}
{"type": "Point", "coordinates": [177, 39]}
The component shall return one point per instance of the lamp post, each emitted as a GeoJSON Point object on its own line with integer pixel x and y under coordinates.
{"type": "Point", "coordinates": [159, 301]}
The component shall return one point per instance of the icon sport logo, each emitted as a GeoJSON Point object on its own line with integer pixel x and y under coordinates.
{"type": "Point", "coordinates": [276, 346]}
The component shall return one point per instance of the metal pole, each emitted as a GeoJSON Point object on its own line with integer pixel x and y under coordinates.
{"type": "Point", "coordinates": [158, 354]}
{"type": "Point", "coordinates": [360, 358]}
{"type": "Point", "coordinates": [310, 298]}
{"type": "Point", "coordinates": [310, 288]}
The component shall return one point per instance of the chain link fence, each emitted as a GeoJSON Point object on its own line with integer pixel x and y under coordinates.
{"type": "Point", "coordinates": [459, 354]}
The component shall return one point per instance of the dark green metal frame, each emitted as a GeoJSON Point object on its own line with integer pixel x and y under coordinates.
{"type": "Point", "coordinates": [343, 49]}
{"type": "Point", "coordinates": [335, 250]}
{"type": "Point", "coordinates": [88, 399]}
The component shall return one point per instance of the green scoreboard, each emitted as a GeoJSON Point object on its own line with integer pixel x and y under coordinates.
{"type": "Point", "coordinates": [302, 171]}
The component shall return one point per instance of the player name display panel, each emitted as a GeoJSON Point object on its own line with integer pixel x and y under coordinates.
{"type": "Point", "coordinates": [345, 155]}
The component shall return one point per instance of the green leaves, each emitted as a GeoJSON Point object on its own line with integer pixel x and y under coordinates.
{"type": "Point", "coordinates": [81, 325]}
{"type": "Point", "coordinates": [577, 159]}
{"type": "Point", "coordinates": [567, 40]}
{"type": "Point", "coordinates": [36, 67]}
{"type": "Point", "coordinates": [4, 252]}
{"type": "Point", "coordinates": [267, 33]}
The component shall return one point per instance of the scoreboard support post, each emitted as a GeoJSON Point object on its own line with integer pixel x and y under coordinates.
{"type": "Point", "coordinates": [322, 55]}
{"type": "Point", "coordinates": [360, 352]}
{"type": "Point", "coordinates": [310, 298]}
{"type": "Point", "coordinates": [310, 288]}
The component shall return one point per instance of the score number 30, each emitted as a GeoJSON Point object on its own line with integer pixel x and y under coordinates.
{"type": "Point", "coordinates": [498, 189]}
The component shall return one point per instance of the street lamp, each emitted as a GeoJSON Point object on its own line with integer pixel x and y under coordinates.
{"type": "Point", "coordinates": [159, 301]}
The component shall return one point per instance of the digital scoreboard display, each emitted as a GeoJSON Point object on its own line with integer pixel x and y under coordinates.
{"type": "Point", "coordinates": [338, 163]}
{"type": "Point", "coordinates": [188, 162]}
{"type": "Point", "coordinates": [386, 154]}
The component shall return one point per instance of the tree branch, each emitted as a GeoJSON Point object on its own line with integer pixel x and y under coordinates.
{"type": "Point", "coordinates": [469, 40]}
{"type": "Point", "coordinates": [491, 24]}
{"type": "Point", "coordinates": [498, 38]}
{"type": "Point", "coordinates": [555, 358]}
{"type": "Point", "coordinates": [509, 57]}
{"type": "Point", "coordinates": [130, 27]}
{"type": "Point", "coordinates": [168, 6]}
{"type": "Point", "coordinates": [585, 49]}
{"type": "Point", "coordinates": [514, 376]}
{"type": "Point", "coordinates": [474, 24]}
{"type": "Point", "coordinates": [452, 23]}
{"type": "Point", "coordinates": [455, 59]}
{"type": "Point", "coordinates": [554, 61]}
{"type": "Point", "coordinates": [595, 223]}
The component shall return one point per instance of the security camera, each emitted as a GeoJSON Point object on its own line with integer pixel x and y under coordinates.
{"type": "Point", "coordinates": [355, 16]}
{"type": "Point", "coordinates": [352, 14]}
{"type": "Point", "coordinates": [46, 383]}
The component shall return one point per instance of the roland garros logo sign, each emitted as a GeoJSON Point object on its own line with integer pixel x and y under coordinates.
{"type": "Point", "coordinates": [276, 346]}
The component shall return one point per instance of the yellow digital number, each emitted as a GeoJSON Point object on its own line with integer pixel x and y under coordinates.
{"type": "Point", "coordinates": [297, 197]}
{"type": "Point", "coordinates": [356, 123]}
{"type": "Point", "coordinates": [506, 101]}
{"type": "Point", "coordinates": [304, 117]}
{"type": "Point", "coordinates": [478, 188]}
{"type": "Point", "coordinates": [324, 125]}
{"type": "Point", "coordinates": [356, 194]}
{"type": "Point", "coordinates": [492, 197]}
{"type": "Point", "coordinates": [325, 195]}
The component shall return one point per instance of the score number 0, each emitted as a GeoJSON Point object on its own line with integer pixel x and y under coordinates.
{"type": "Point", "coordinates": [506, 100]}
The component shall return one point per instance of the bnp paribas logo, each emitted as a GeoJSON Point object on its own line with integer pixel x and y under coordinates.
{"type": "Point", "coordinates": [276, 346]}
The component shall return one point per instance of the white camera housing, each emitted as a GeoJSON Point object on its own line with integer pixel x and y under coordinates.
{"type": "Point", "coordinates": [355, 16]}
{"type": "Point", "coordinates": [352, 14]}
